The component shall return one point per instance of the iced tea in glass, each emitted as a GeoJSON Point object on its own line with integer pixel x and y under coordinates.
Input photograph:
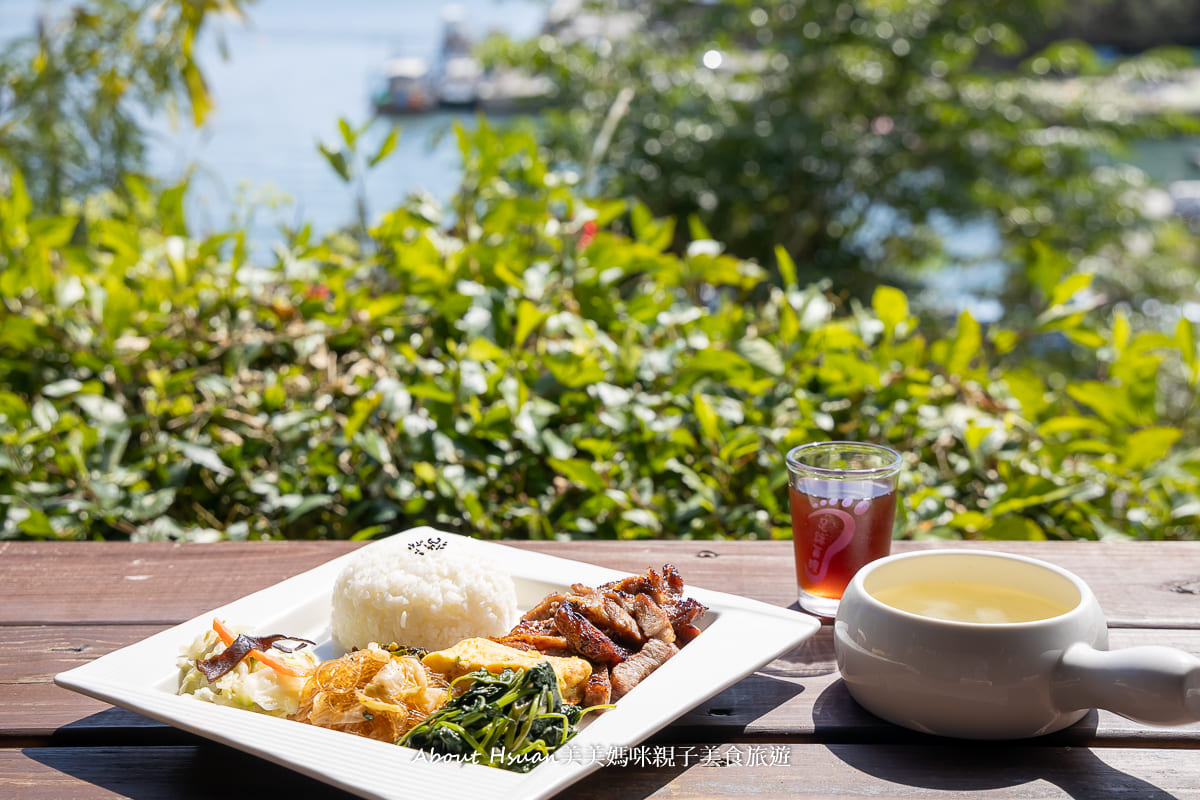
{"type": "Point", "coordinates": [842, 497]}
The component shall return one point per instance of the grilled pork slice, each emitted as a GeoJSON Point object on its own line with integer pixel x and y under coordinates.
{"type": "Point", "coordinates": [633, 670]}
{"type": "Point", "coordinates": [653, 621]}
{"type": "Point", "coordinates": [609, 616]}
{"type": "Point", "coordinates": [651, 583]}
{"type": "Point", "coordinates": [597, 690]}
{"type": "Point", "coordinates": [681, 614]}
{"type": "Point", "coordinates": [541, 635]}
{"type": "Point", "coordinates": [665, 588]}
{"type": "Point", "coordinates": [591, 642]}
{"type": "Point", "coordinates": [544, 609]}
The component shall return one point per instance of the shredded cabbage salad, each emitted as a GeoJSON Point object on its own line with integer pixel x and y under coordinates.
{"type": "Point", "coordinates": [250, 685]}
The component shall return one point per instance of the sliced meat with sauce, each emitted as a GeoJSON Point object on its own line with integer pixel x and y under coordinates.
{"type": "Point", "coordinates": [597, 689]}
{"type": "Point", "coordinates": [541, 635]}
{"type": "Point", "coordinates": [626, 628]}
{"type": "Point", "coordinates": [652, 620]}
{"type": "Point", "coordinates": [591, 642]}
{"type": "Point", "coordinates": [609, 616]}
{"type": "Point", "coordinates": [664, 587]}
{"type": "Point", "coordinates": [545, 609]}
{"type": "Point", "coordinates": [681, 615]}
{"type": "Point", "coordinates": [633, 670]}
{"type": "Point", "coordinates": [673, 580]}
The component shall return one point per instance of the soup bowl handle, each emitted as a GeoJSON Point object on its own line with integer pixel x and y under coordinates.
{"type": "Point", "coordinates": [1149, 684]}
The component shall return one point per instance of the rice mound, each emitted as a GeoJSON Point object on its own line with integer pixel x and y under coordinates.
{"type": "Point", "coordinates": [422, 588]}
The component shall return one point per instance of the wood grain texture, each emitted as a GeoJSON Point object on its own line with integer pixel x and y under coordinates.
{"type": "Point", "coordinates": [121, 582]}
{"type": "Point", "coordinates": [803, 772]}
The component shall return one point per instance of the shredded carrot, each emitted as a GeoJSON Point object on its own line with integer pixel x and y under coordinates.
{"type": "Point", "coordinates": [283, 669]}
{"type": "Point", "coordinates": [222, 631]}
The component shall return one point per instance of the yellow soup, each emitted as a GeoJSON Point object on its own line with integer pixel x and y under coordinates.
{"type": "Point", "coordinates": [962, 601]}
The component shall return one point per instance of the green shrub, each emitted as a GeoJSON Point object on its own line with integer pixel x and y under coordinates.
{"type": "Point", "coordinates": [855, 134]}
{"type": "Point", "coordinates": [516, 366]}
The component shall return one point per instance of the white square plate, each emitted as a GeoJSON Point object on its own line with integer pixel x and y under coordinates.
{"type": "Point", "coordinates": [739, 636]}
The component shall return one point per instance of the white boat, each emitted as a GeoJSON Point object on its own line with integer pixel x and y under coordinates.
{"type": "Point", "coordinates": [407, 87]}
{"type": "Point", "coordinates": [457, 83]}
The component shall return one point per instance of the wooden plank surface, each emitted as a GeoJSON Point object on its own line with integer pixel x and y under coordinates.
{"type": "Point", "coordinates": [798, 697]}
{"type": "Point", "coordinates": [65, 604]}
{"type": "Point", "coordinates": [803, 772]}
{"type": "Point", "coordinates": [1138, 584]}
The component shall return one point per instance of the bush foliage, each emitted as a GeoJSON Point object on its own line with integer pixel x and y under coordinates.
{"type": "Point", "coordinates": [535, 360]}
{"type": "Point", "coordinates": [516, 366]}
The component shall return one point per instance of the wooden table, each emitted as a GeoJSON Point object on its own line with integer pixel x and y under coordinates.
{"type": "Point", "coordinates": [789, 730]}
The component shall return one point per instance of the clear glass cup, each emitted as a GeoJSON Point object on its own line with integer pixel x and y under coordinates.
{"type": "Point", "coordinates": [842, 497]}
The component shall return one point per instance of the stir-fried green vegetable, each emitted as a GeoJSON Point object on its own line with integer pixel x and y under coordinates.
{"type": "Point", "coordinates": [513, 720]}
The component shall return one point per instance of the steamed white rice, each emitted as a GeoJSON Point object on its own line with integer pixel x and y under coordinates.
{"type": "Point", "coordinates": [421, 588]}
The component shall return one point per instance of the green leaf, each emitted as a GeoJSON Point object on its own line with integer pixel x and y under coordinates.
{"type": "Point", "coordinates": [787, 267]}
{"type": "Point", "coordinates": [12, 406]}
{"type": "Point", "coordinates": [607, 211]}
{"type": "Point", "coordinates": [891, 306]}
{"type": "Point", "coordinates": [656, 234]}
{"type": "Point", "coordinates": [310, 503]}
{"type": "Point", "coordinates": [386, 148]}
{"type": "Point", "coordinates": [579, 472]}
{"type": "Point", "coordinates": [484, 351]}
{"type": "Point", "coordinates": [36, 525]}
{"type": "Point", "coordinates": [348, 134]}
{"type": "Point", "coordinates": [337, 160]}
{"type": "Point", "coordinates": [529, 318]}
{"type": "Point", "coordinates": [697, 229]}
{"type": "Point", "coordinates": [1086, 338]}
{"type": "Point", "coordinates": [19, 203]}
{"type": "Point", "coordinates": [53, 232]}
{"type": "Point", "coordinates": [44, 414]}
{"type": "Point", "coordinates": [1111, 403]}
{"type": "Point", "coordinates": [1069, 287]}
{"type": "Point", "coordinates": [197, 92]}
{"type": "Point", "coordinates": [1051, 494]}
{"type": "Point", "coordinates": [360, 412]}
{"type": "Point", "coordinates": [706, 417]}
{"type": "Point", "coordinates": [1014, 529]}
{"type": "Point", "coordinates": [975, 436]}
{"type": "Point", "coordinates": [966, 345]}
{"type": "Point", "coordinates": [719, 364]}
{"type": "Point", "coordinates": [1004, 341]}
{"type": "Point", "coordinates": [1185, 340]}
{"type": "Point", "coordinates": [431, 391]}
{"type": "Point", "coordinates": [376, 446]}
{"type": "Point", "coordinates": [1073, 426]}
{"type": "Point", "coordinates": [1148, 446]}
{"type": "Point", "coordinates": [150, 505]}
{"type": "Point", "coordinates": [1120, 331]}
{"type": "Point", "coordinates": [369, 533]}
{"type": "Point", "coordinates": [100, 409]}
{"type": "Point", "coordinates": [202, 456]}
{"type": "Point", "coordinates": [274, 397]}
{"type": "Point", "coordinates": [762, 354]}
{"type": "Point", "coordinates": [1049, 265]}
{"type": "Point", "coordinates": [62, 388]}
{"type": "Point", "coordinates": [575, 371]}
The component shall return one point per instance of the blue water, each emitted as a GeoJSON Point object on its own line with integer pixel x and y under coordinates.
{"type": "Point", "coordinates": [293, 69]}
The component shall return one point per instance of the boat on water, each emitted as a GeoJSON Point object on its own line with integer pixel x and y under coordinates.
{"type": "Point", "coordinates": [408, 87]}
{"type": "Point", "coordinates": [456, 80]}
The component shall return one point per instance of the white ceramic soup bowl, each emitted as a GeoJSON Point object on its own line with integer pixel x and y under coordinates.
{"type": "Point", "coordinates": [999, 680]}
